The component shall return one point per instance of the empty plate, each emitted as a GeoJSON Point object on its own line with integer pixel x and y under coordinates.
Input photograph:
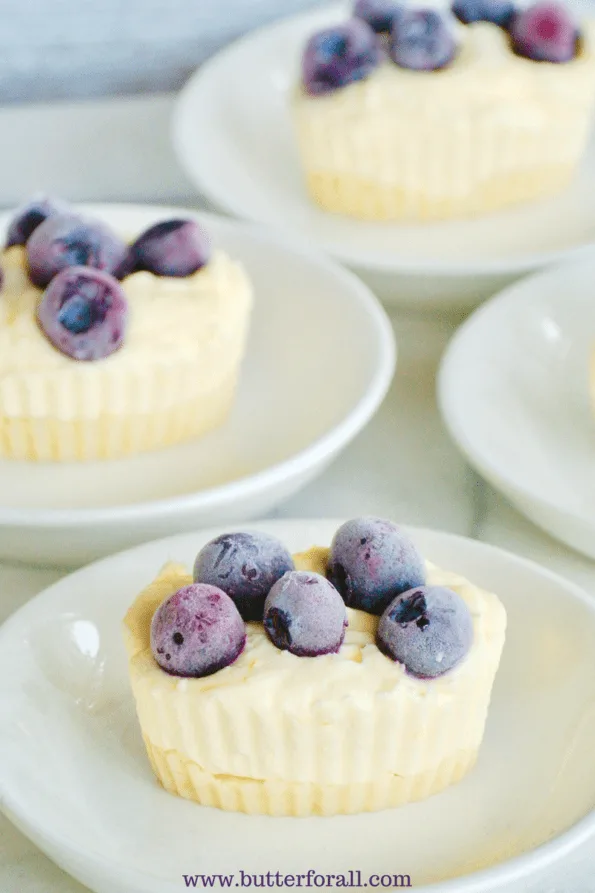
{"type": "Point", "coordinates": [514, 390]}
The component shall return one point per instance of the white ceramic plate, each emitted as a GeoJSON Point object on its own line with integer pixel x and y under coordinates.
{"type": "Point", "coordinates": [319, 360]}
{"type": "Point", "coordinates": [233, 135]}
{"type": "Point", "coordinates": [514, 393]}
{"type": "Point", "coordinates": [76, 780]}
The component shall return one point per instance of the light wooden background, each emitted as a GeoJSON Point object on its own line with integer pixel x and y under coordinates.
{"type": "Point", "coordinates": [54, 49]}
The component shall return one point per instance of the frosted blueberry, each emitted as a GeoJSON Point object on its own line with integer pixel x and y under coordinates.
{"type": "Point", "coordinates": [304, 614]}
{"type": "Point", "coordinates": [378, 14]}
{"type": "Point", "coordinates": [197, 631]}
{"type": "Point", "coordinates": [371, 561]}
{"type": "Point", "coordinates": [428, 629]}
{"type": "Point", "coordinates": [66, 240]}
{"type": "Point", "coordinates": [339, 56]}
{"type": "Point", "coordinates": [498, 12]}
{"type": "Point", "coordinates": [422, 40]}
{"type": "Point", "coordinates": [83, 312]}
{"type": "Point", "coordinates": [245, 565]}
{"type": "Point", "coordinates": [545, 32]}
{"type": "Point", "coordinates": [29, 216]}
{"type": "Point", "coordinates": [171, 248]}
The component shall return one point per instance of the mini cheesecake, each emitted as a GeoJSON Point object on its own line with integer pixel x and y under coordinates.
{"type": "Point", "coordinates": [347, 731]}
{"type": "Point", "coordinates": [477, 127]}
{"type": "Point", "coordinates": [164, 372]}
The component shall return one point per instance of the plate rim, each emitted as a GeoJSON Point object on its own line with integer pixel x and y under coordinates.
{"type": "Point", "coordinates": [511, 295]}
{"type": "Point", "coordinates": [313, 454]}
{"type": "Point", "coordinates": [483, 881]}
{"type": "Point", "coordinates": [183, 113]}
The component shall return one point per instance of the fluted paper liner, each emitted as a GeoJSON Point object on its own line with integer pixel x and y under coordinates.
{"type": "Point", "coordinates": [286, 798]}
{"type": "Point", "coordinates": [351, 733]}
{"type": "Point", "coordinates": [144, 422]}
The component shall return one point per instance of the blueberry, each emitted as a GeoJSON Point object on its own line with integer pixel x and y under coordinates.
{"type": "Point", "coordinates": [498, 12]}
{"type": "Point", "coordinates": [428, 629]}
{"type": "Point", "coordinates": [545, 32]}
{"type": "Point", "coordinates": [70, 241]}
{"type": "Point", "coordinates": [372, 560]}
{"type": "Point", "coordinates": [83, 312]}
{"type": "Point", "coordinates": [197, 631]}
{"type": "Point", "coordinates": [378, 14]}
{"type": "Point", "coordinates": [29, 216]}
{"type": "Point", "coordinates": [171, 248]}
{"type": "Point", "coordinates": [245, 565]}
{"type": "Point", "coordinates": [304, 614]}
{"type": "Point", "coordinates": [422, 40]}
{"type": "Point", "coordinates": [339, 56]}
{"type": "Point", "coordinates": [126, 266]}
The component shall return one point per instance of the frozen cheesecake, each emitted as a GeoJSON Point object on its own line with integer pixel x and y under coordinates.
{"type": "Point", "coordinates": [339, 680]}
{"type": "Point", "coordinates": [112, 346]}
{"type": "Point", "coordinates": [416, 113]}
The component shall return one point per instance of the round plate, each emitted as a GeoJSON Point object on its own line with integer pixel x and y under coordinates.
{"type": "Point", "coordinates": [76, 780]}
{"type": "Point", "coordinates": [233, 135]}
{"type": "Point", "coordinates": [302, 397]}
{"type": "Point", "coordinates": [514, 393]}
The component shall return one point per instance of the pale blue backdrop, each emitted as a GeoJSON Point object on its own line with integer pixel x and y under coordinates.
{"type": "Point", "coordinates": [52, 49]}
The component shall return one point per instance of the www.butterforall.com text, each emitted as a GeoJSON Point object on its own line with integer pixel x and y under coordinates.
{"type": "Point", "coordinates": [348, 880]}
